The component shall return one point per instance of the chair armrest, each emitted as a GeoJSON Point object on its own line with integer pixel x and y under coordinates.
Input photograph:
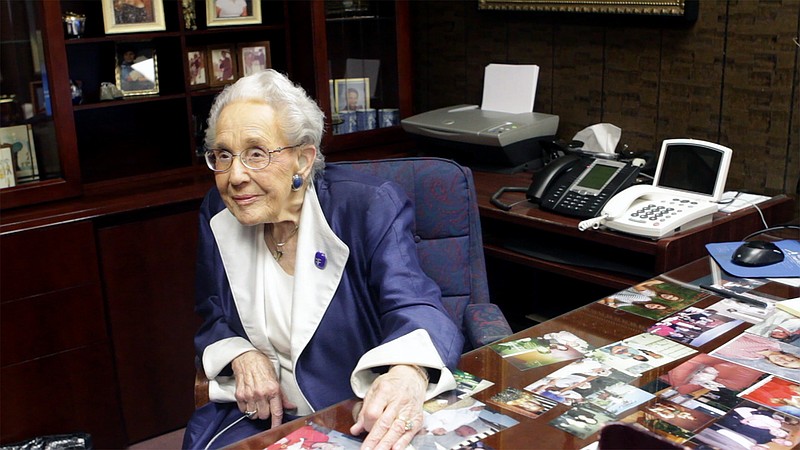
{"type": "Point", "coordinates": [200, 388]}
{"type": "Point", "coordinates": [485, 323]}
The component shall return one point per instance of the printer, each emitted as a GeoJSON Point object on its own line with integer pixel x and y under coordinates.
{"type": "Point", "coordinates": [501, 135]}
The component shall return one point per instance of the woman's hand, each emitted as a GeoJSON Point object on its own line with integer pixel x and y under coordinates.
{"type": "Point", "coordinates": [258, 388]}
{"type": "Point", "coordinates": [392, 409]}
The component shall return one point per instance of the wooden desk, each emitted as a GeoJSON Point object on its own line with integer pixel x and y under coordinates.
{"type": "Point", "coordinates": [591, 256]}
{"type": "Point", "coordinates": [598, 324]}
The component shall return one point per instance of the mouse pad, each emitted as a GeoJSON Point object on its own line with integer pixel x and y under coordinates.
{"type": "Point", "coordinates": [789, 267]}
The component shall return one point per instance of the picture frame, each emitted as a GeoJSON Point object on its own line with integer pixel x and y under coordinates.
{"type": "Point", "coordinates": [19, 138]}
{"type": "Point", "coordinates": [197, 61]}
{"type": "Point", "coordinates": [357, 89]}
{"type": "Point", "coordinates": [7, 176]}
{"type": "Point", "coordinates": [222, 64]}
{"type": "Point", "coordinates": [253, 57]}
{"type": "Point", "coordinates": [136, 70]}
{"type": "Point", "coordinates": [133, 16]}
{"type": "Point", "coordinates": [221, 13]}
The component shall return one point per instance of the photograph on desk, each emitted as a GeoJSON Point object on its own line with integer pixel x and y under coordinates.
{"type": "Point", "coordinates": [460, 424]}
{"type": "Point", "coordinates": [705, 383]}
{"type": "Point", "coordinates": [760, 353]}
{"type": "Point", "coordinates": [467, 385]}
{"type": "Point", "coordinates": [780, 326]}
{"type": "Point", "coordinates": [522, 402]}
{"type": "Point", "coordinates": [619, 398]}
{"type": "Point", "coordinates": [573, 383]}
{"type": "Point", "coordinates": [694, 326]}
{"type": "Point", "coordinates": [654, 299]}
{"type": "Point", "coordinates": [751, 426]}
{"type": "Point", "coordinates": [582, 421]}
{"type": "Point", "coordinates": [638, 354]}
{"type": "Point", "coordinates": [658, 426]}
{"type": "Point", "coordinates": [689, 419]}
{"type": "Point", "coordinates": [530, 352]}
{"type": "Point", "coordinates": [314, 436]}
{"type": "Point", "coordinates": [776, 393]}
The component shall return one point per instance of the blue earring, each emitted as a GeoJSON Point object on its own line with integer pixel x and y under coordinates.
{"type": "Point", "coordinates": [297, 182]}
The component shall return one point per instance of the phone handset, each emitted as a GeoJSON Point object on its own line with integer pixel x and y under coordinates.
{"type": "Point", "coordinates": [618, 205]}
{"type": "Point", "coordinates": [549, 175]}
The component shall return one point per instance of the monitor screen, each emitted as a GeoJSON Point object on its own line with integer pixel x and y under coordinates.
{"type": "Point", "coordinates": [597, 177]}
{"type": "Point", "coordinates": [694, 167]}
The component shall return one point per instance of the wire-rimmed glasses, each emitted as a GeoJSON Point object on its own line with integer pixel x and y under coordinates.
{"type": "Point", "coordinates": [255, 158]}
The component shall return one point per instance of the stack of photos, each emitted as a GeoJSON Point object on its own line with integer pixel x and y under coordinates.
{"type": "Point", "coordinates": [460, 424]}
{"type": "Point", "coordinates": [750, 426]}
{"type": "Point", "coordinates": [640, 353]}
{"type": "Point", "coordinates": [776, 393]}
{"type": "Point", "coordinates": [694, 326]}
{"type": "Point", "coordinates": [531, 352]}
{"type": "Point", "coordinates": [653, 298]}
{"type": "Point", "coordinates": [764, 354]}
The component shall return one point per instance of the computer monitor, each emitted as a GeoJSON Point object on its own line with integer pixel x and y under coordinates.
{"type": "Point", "coordinates": [695, 168]}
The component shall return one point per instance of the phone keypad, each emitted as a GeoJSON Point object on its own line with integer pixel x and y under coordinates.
{"type": "Point", "coordinates": [661, 212]}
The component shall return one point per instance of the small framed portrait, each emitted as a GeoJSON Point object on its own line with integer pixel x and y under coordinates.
{"type": "Point", "coordinates": [253, 57]}
{"type": "Point", "coordinates": [137, 69]}
{"type": "Point", "coordinates": [7, 177]}
{"type": "Point", "coordinates": [352, 94]}
{"type": "Point", "coordinates": [220, 13]}
{"type": "Point", "coordinates": [197, 60]}
{"type": "Point", "coordinates": [133, 16]}
{"type": "Point", "coordinates": [19, 138]}
{"type": "Point", "coordinates": [222, 63]}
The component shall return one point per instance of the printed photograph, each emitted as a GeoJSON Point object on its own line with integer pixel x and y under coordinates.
{"type": "Point", "coordinates": [130, 16]}
{"type": "Point", "coordinates": [232, 12]}
{"type": "Point", "coordinates": [198, 68]}
{"type": "Point", "coordinates": [779, 326]}
{"type": "Point", "coordinates": [467, 384]}
{"type": "Point", "coordinates": [222, 60]}
{"type": "Point", "coordinates": [658, 426]}
{"type": "Point", "coordinates": [522, 402]}
{"type": "Point", "coordinates": [776, 393]}
{"type": "Point", "coordinates": [654, 299]}
{"type": "Point", "coordinates": [694, 326]}
{"type": "Point", "coordinates": [137, 69]}
{"type": "Point", "coordinates": [750, 426]}
{"type": "Point", "coordinates": [462, 423]}
{"type": "Point", "coordinates": [582, 421]}
{"type": "Point", "coordinates": [352, 94]}
{"type": "Point", "coordinates": [738, 310]}
{"type": "Point", "coordinates": [573, 383]}
{"type": "Point", "coordinates": [314, 436]}
{"type": "Point", "coordinates": [528, 353]}
{"type": "Point", "coordinates": [254, 57]}
{"type": "Point", "coordinates": [686, 418]}
{"type": "Point", "coordinates": [640, 353]}
{"type": "Point", "coordinates": [619, 398]}
{"type": "Point", "coordinates": [760, 353]}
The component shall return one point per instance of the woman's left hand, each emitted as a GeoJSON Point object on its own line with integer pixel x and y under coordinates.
{"type": "Point", "coordinates": [392, 409]}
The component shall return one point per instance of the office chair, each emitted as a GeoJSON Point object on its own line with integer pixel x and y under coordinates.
{"type": "Point", "coordinates": [449, 243]}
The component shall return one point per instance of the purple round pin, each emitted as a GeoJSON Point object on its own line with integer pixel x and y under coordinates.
{"type": "Point", "coordinates": [320, 260]}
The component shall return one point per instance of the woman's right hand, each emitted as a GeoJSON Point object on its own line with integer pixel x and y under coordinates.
{"type": "Point", "coordinates": [258, 388]}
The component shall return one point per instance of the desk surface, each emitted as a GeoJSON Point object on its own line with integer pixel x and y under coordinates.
{"type": "Point", "coordinates": [598, 324]}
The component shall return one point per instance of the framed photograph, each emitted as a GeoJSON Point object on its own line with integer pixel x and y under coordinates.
{"type": "Point", "coordinates": [37, 98]}
{"type": "Point", "coordinates": [220, 13]}
{"type": "Point", "coordinates": [7, 177]}
{"type": "Point", "coordinates": [197, 59]}
{"type": "Point", "coordinates": [253, 57]}
{"type": "Point", "coordinates": [23, 152]}
{"type": "Point", "coordinates": [137, 69]}
{"type": "Point", "coordinates": [133, 16]}
{"type": "Point", "coordinates": [352, 94]}
{"type": "Point", "coordinates": [222, 62]}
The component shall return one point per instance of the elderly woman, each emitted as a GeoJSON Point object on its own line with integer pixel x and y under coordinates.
{"type": "Point", "coordinates": [308, 281]}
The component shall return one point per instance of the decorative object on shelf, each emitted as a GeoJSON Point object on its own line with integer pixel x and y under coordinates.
{"type": "Point", "coordinates": [189, 15]}
{"type": "Point", "coordinates": [74, 24]}
{"type": "Point", "coordinates": [133, 16]}
{"type": "Point", "coordinates": [109, 91]}
{"type": "Point", "coordinates": [352, 94]}
{"type": "Point", "coordinates": [7, 178]}
{"type": "Point", "coordinates": [197, 59]}
{"type": "Point", "coordinates": [76, 91]}
{"type": "Point", "coordinates": [367, 119]}
{"type": "Point", "coordinates": [20, 139]}
{"type": "Point", "coordinates": [388, 117]}
{"type": "Point", "coordinates": [223, 64]}
{"type": "Point", "coordinates": [253, 57]}
{"type": "Point", "coordinates": [232, 12]}
{"type": "Point", "coordinates": [136, 69]}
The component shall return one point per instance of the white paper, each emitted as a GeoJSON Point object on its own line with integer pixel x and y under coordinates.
{"type": "Point", "coordinates": [600, 137]}
{"type": "Point", "coordinates": [509, 88]}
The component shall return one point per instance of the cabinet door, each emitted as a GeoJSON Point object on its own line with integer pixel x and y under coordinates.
{"type": "Point", "coordinates": [38, 158]}
{"type": "Point", "coordinates": [148, 268]}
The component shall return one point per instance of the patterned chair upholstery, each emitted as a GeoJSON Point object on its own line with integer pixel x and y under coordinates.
{"type": "Point", "coordinates": [449, 241]}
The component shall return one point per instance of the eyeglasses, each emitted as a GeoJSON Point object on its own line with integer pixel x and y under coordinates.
{"type": "Point", "coordinates": [255, 158]}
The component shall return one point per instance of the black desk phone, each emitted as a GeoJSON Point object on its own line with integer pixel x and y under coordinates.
{"type": "Point", "coordinates": [580, 185]}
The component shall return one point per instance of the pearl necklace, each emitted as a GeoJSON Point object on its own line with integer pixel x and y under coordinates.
{"type": "Point", "coordinates": [279, 245]}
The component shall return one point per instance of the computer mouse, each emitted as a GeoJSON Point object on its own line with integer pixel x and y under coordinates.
{"type": "Point", "coordinates": [757, 254]}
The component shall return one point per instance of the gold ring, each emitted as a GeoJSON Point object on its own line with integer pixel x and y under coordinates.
{"type": "Point", "coordinates": [408, 424]}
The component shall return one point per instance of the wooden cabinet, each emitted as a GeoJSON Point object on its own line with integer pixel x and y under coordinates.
{"type": "Point", "coordinates": [56, 359]}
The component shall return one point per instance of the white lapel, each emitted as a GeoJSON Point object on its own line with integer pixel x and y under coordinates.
{"type": "Point", "coordinates": [315, 283]}
{"type": "Point", "coordinates": [242, 249]}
